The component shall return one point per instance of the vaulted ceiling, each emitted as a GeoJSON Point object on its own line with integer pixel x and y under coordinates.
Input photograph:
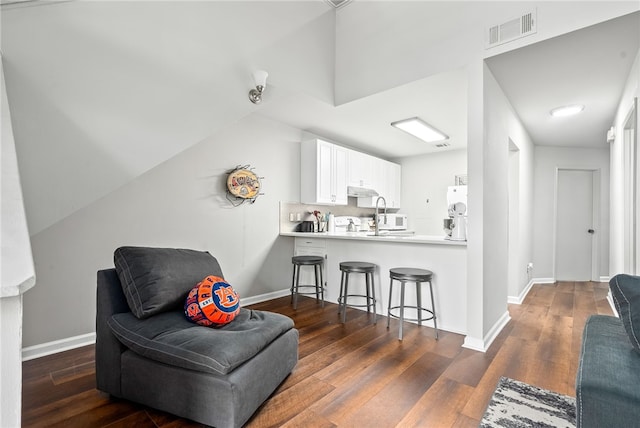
{"type": "Point", "coordinates": [101, 92]}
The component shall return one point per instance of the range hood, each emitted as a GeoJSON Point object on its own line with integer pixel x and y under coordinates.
{"type": "Point", "coordinates": [361, 192]}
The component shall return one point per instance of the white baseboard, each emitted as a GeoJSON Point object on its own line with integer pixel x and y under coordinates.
{"type": "Point", "coordinates": [44, 349]}
{"type": "Point", "coordinates": [246, 301]}
{"type": "Point", "coordinates": [604, 279]}
{"type": "Point", "coordinates": [544, 280]}
{"type": "Point", "coordinates": [483, 344]}
{"type": "Point", "coordinates": [517, 300]}
{"type": "Point", "coordinates": [61, 345]}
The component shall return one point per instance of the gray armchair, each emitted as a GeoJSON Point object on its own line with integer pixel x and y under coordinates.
{"type": "Point", "coordinates": [149, 353]}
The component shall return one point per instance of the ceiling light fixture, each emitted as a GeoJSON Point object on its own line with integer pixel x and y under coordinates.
{"type": "Point", "coordinates": [566, 110]}
{"type": "Point", "coordinates": [420, 129]}
{"type": "Point", "coordinates": [260, 78]}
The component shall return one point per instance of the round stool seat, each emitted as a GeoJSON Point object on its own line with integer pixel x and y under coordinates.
{"type": "Point", "coordinates": [417, 276]}
{"type": "Point", "coordinates": [366, 268]}
{"type": "Point", "coordinates": [315, 262]}
{"type": "Point", "coordinates": [357, 267]}
{"type": "Point", "coordinates": [411, 274]}
{"type": "Point", "coordinates": [306, 260]}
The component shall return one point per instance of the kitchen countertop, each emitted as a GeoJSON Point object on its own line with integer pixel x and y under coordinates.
{"type": "Point", "coordinates": [368, 236]}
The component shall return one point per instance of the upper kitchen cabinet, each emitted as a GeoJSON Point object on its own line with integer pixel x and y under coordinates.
{"type": "Point", "coordinates": [323, 173]}
{"type": "Point", "coordinates": [360, 169]}
{"type": "Point", "coordinates": [387, 182]}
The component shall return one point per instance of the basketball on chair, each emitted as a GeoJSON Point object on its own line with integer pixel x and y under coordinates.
{"type": "Point", "coordinates": [212, 302]}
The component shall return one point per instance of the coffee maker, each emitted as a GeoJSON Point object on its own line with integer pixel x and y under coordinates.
{"type": "Point", "coordinates": [456, 225]}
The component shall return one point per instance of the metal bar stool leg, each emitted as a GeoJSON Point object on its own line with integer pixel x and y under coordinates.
{"type": "Point", "coordinates": [315, 274]}
{"type": "Point", "coordinates": [321, 285]}
{"type": "Point", "coordinates": [370, 283]}
{"type": "Point", "coordinates": [419, 302]}
{"type": "Point", "coordinates": [297, 286]}
{"type": "Point", "coordinates": [402, 283]}
{"type": "Point", "coordinates": [293, 281]}
{"type": "Point", "coordinates": [341, 295]}
{"type": "Point", "coordinates": [433, 307]}
{"type": "Point", "coordinates": [389, 305]}
{"type": "Point", "coordinates": [346, 293]}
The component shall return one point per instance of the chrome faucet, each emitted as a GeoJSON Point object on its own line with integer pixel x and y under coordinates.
{"type": "Point", "coordinates": [376, 223]}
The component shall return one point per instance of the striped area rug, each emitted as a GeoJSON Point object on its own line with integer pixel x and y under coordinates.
{"type": "Point", "coordinates": [517, 404]}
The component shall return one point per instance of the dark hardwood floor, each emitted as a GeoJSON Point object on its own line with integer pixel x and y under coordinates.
{"type": "Point", "coordinates": [358, 374]}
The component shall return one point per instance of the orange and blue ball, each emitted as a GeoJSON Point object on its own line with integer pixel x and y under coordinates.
{"type": "Point", "coordinates": [212, 302]}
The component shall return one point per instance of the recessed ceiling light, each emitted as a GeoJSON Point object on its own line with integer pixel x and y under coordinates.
{"type": "Point", "coordinates": [420, 129]}
{"type": "Point", "coordinates": [566, 110]}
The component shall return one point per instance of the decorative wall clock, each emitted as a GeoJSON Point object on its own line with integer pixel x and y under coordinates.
{"type": "Point", "coordinates": [243, 185]}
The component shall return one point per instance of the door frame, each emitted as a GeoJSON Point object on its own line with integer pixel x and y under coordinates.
{"type": "Point", "coordinates": [595, 213]}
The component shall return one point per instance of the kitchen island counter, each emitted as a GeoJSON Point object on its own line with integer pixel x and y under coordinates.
{"type": "Point", "coordinates": [383, 237]}
{"type": "Point", "coordinates": [446, 259]}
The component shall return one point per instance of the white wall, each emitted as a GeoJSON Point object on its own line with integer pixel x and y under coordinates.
{"type": "Point", "coordinates": [180, 203]}
{"type": "Point", "coordinates": [17, 273]}
{"type": "Point", "coordinates": [547, 161]}
{"type": "Point", "coordinates": [632, 90]}
{"type": "Point", "coordinates": [501, 126]}
{"type": "Point", "coordinates": [427, 177]}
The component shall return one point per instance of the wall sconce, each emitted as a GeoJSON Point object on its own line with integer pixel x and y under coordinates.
{"type": "Point", "coordinates": [260, 78]}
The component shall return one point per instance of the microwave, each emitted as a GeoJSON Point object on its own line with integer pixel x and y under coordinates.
{"type": "Point", "coordinates": [393, 222]}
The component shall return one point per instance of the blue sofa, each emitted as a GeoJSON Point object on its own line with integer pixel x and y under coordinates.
{"type": "Point", "coordinates": [148, 352]}
{"type": "Point", "coordinates": [608, 379]}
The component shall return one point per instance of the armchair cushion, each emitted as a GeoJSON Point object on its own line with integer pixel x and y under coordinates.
{"type": "Point", "coordinates": [155, 280]}
{"type": "Point", "coordinates": [172, 339]}
{"type": "Point", "coordinates": [625, 290]}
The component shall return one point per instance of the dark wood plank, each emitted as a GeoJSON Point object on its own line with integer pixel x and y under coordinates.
{"type": "Point", "coordinates": [358, 373]}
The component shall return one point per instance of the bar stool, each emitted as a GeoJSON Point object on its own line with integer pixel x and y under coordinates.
{"type": "Point", "coordinates": [418, 276]}
{"type": "Point", "coordinates": [368, 269]}
{"type": "Point", "coordinates": [314, 261]}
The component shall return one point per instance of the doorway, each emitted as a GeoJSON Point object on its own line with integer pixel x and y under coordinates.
{"type": "Point", "coordinates": [631, 187]}
{"type": "Point", "coordinates": [577, 208]}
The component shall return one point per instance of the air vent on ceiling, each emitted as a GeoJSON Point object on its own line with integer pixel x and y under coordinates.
{"type": "Point", "coordinates": [524, 25]}
{"type": "Point", "coordinates": [440, 145]}
{"type": "Point", "coordinates": [338, 3]}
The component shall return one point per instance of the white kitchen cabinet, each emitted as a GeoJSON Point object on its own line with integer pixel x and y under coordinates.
{"type": "Point", "coordinates": [323, 173]}
{"type": "Point", "coordinates": [387, 183]}
{"type": "Point", "coordinates": [394, 183]}
{"type": "Point", "coordinates": [360, 169]}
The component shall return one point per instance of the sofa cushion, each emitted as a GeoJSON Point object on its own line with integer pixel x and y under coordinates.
{"type": "Point", "coordinates": [172, 339]}
{"type": "Point", "coordinates": [607, 393]}
{"type": "Point", "coordinates": [625, 290]}
{"type": "Point", "coordinates": [158, 279]}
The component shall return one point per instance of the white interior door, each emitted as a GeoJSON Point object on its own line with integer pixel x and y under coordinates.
{"type": "Point", "coordinates": [574, 225]}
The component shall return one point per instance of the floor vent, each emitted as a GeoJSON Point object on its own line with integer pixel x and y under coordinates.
{"type": "Point", "coordinates": [522, 26]}
{"type": "Point", "coordinates": [338, 3]}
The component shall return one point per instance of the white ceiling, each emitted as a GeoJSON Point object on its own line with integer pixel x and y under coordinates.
{"type": "Point", "coordinates": [365, 123]}
{"type": "Point", "coordinates": [588, 66]}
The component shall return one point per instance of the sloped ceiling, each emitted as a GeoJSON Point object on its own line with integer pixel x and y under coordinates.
{"type": "Point", "coordinates": [100, 92]}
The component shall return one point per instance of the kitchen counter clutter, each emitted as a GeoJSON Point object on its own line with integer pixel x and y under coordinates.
{"type": "Point", "coordinates": [404, 237]}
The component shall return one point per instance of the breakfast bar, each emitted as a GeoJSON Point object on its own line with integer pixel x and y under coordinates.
{"type": "Point", "coordinates": [445, 258]}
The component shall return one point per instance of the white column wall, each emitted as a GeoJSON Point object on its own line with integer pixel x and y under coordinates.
{"type": "Point", "coordinates": [632, 90]}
